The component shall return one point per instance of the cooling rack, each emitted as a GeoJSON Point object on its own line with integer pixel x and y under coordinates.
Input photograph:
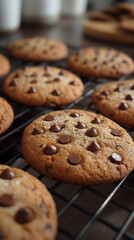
{"type": "Point", "coordinates": [102, 212]}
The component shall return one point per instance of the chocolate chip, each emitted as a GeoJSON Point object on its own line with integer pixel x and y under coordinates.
{"type": "Point", "coordinates": [129, 97]}
{"type": "Point", "coordinates": [48, 118]}
{"type": "Point", "coordinates": [50, 150]}
{"type": "Point", "coordinates": [76, 59]}
{"type": "Point", "coordinates": [106, 93]}
{"type": "Point", "coordinates": [7, 174]}
{"type": "Point", "coordinates": [64, 139]}
{"type": "Point", "coordinates": [80, 125]}
{"type": "Point", "coordinates": [123, 106]}
{"type": "Point", "coordinates": [52, 46]}
{"type": "Point", "coordinates": [45, 51]}
{"type": "Point", "coordinates": [96, 121]}
{"type": "Point", "coordinates": [116, 132]}
{"type": "Point", "coordinates": [56, 80]}
{"type": "Point", "coordinates": [95, 59]}
{"type": "Point", "coordinates": [48, 227]}
{"type": "Point", "coordinates": [55, 128]}
{"type": "Point", "coordinates": [47, 74]}
{"type": "Point", "coordinates": [33, 81]}
{"type": "Point", "coordinates": [74, 115]}
{"type": "Point", "coordinates": [17, 75]}
{"type": "Point", "coordinates": [86, 62]}
{"type": "Point", "coordinates": [132, 87]}
{"type": "Point", "coordinates": [105, 62]}
{"type": "Point", "coordinates": [124, 61]}
{"type": "Point", "coordinates": [34, 75]}
{"type": "Point", "coordinates": [49, 81]}
{"type": "Point", "coordinates": [93, 147]}
{"type": "Point", "coordinates": [13, 83]}
{"type": "Point", "coordinates": [115, 66]}
{"type": "Point", "coordinates": [73, 83]}
{"type": "Point", "coordinates": [6, 200]}
{"type": "Point", "coordinates": [111, 114]}
{"type": "Point", "coordinates": [97, 67]}
{"type": "Point", "coordinates": [92, 132]}
{"type": "Point", "coordinates": [37, 131]}
{"type": "Point", "coordinates": [32, 90]}
{"type": "Point", "coordinates": [24, 215]}
{"type": "Point", "coordinates": [74, 159]}
{"type": "Point", "coordinates": [118, 89]}
{"type": "Point", "coordinates": [61, 73]}
{"type": "Point", "coordinates": [2, 237]}
{"type": "Point", "coordinates": [115, 158]}
{"type": "Point", "coordinates": [112, 59]}
{"type": "Point", "coordinates": [56, 92]}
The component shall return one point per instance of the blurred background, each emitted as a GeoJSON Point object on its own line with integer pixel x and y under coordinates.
{"type": "Point", "coordinates": [15, 12]}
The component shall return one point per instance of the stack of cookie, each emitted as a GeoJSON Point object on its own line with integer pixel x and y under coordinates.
{"type": "Point", "coordinates": [73, 146]}
{"type": "Point", "coordinates": [114, 24]}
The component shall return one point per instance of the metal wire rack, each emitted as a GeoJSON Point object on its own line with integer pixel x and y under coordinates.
{"type": "Point", "coordinates": [102, 212]}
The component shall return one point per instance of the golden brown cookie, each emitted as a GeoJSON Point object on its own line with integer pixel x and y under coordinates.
{"type": "Point", "coordinates": [36, 86]}
{"type": "Point", "coordinates": [78, 147]}
{"type": "Point", "coordinates": [116, 101]}
{"type": "Point", "coordinates": [27, 210]}
{"type": "Point", "coordinates": [6, 115]}
{"type": "Point", "coordinates": [4, 65]}
{"type": "Point", "coordinates": [101, 62]}
{"type": "Point", "coordinates": [38, 49]}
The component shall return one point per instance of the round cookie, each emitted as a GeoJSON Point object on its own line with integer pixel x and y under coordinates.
{"type": "Point", "coordinates": [78, 147]}
{"type": "Point", "coordinates": [6, 115]}
{"type": "Point", "coordinates": [4, 65]}
{"type": "Point", "coordinates": [39, 86]}
{"type": "Point", "coordinates": [101, 62]}
{"type": "Point", "coordinates": [27, 210]}
{"type": "Point", "coordinates": [116, 101]}
{"type": "Point", "coordinates": [38, 49]}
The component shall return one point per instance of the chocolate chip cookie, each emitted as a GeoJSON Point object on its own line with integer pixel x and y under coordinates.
{"type": "Point", "coordinates": [6, 115]}
{"type": "Point", "coordinates": [78, 147]}
{"type": "Point", "coordinates": [101, 62]}
{"type": "Point", "coordinates": [39, 86]}
{"type": "Point", "coordinates": [116, 101]}
{"type": "Point", "coordinates": [27, 210]}
{"type": "Point", "coordinates": [127, 24]}
{"type": "Point", "coordinates": [4, 65]}
{"type": "Point", "coordinates": [38, 49]}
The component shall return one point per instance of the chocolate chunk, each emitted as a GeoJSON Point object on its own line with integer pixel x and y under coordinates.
{"type": "Point", "coordinates": [118, 89]}
{"type": "Point", "coordinates": [115, 158]}
{"type": "Point", "coordinates": [32, 90]}
{"type": "Point", "coordinates": [106, 93]}
{"type": "Point", "coordinates": [17, 75]}
{"type": "Point", "coordinates": [115, 66]}
{"type": "Point", "coordinates": [61, 73]}
{"type": "Point", "coordinates": [74, 159]}
{"type": "Point", "coordinates": [132, 87]}
{"type": "Point", "coordinates": [13, 83]}
{"type": "Point", "coordinates": [123, 106]}
{"type": "Point", "coordinates": [64, 139]}
{"type": "Point", "coordinates": [93, 147]}
{"type": "Point", "coordinates": [116, 132]}
{"type": "Point", "coordinates": [6, 200]}
{"type": "Point", "coordinates": [37, 131]}
{"type": "Point", "coordinates": [48, 118]}
{"type": "Point", "coordinates": [49, 81]}
{"type": "Point", "coordinates": [129, 97]}
{"type": "Point", "coordinates": [56, 92]}
{"type": "Point", "coordinates": [96, 121]}
{"type": "Point", "coordinates": [74, 115]}
{"type": "Point", "coordinates": [92, 132]}
{"type": "Point", "coordinates": [2, 237]}
{"type": "Point", "coordinates": [55, 128]}
{"type": "Point", "coordinates": [47, 74]}
{"type": "Point", "coordinates": [56, 80]}
{"type": "Point", "coordinates": [97, 67]}
{"type": "Point", "coordinates": [33, 81]}
{"type": "Point", "coordinates": [73, 83]}
{"type": "Point", "coordinates": [7, 174]}
{"type": "Point", "coordinates": [48, 227]}
{"type": "Point", "coordinates": [24, 215]}
{"type": "Point", "coordinates": [80, 125]}
{"type": "Point", "coordinates": [34, 75]}
{"type": "Point", "coordinates": [50, 150]}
